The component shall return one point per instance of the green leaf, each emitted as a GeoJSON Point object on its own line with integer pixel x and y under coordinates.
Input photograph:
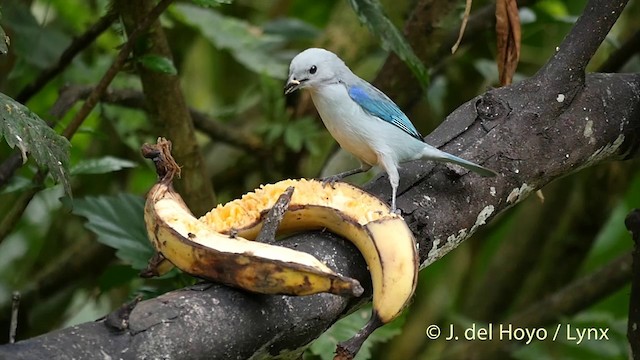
{"type": "Point", "coordinates": [158, 63]}
{"type": "Point", "coordinates": [35, 44]}
{"type": "Point", "coordinates": [102, 165]}
{"type": "Point", "coordinates": [23, 129]}
{"type": "Point", "coordinates": [371, 14]}
{"type": "Point", "coordinates": [344, 329]}
{"type": "Point", "coordinates": [292, 29]}
{"type": "Point", "coordinates": [118, 221]}
{"type": "Point", "coordinates": [211, 3]}
{"type": "Point", "coordinates": [248, 44]}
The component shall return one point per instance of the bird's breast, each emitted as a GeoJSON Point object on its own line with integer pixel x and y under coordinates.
{"type": "Point", "coordinates": [349, 125]}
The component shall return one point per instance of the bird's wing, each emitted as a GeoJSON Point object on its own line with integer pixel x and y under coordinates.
{"type": "Point", "coordinates": [376, 103]}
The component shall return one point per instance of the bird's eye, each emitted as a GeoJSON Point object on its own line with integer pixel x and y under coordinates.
{"type": "Point", "coordinates": [313, 69]}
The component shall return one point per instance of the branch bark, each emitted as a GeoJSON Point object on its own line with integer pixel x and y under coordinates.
{"type": "Point", "coordinates": [527, 132]}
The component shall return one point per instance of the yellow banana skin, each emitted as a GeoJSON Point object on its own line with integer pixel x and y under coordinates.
{"type": "Point", "coordinates": [236, 261]}
{"type": "Point", "coordinates": [197, 250]}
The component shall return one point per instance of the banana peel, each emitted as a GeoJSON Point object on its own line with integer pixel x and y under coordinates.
{"type": "Point", "coordinates": [219, 247]}
{"type": "Point", "coordinates": [232, 260]}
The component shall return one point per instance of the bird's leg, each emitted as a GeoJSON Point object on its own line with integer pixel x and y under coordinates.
{"type": "Point", "coordinates": [330, 180]}
{"type": "Point", "coordinates": [391, 168]}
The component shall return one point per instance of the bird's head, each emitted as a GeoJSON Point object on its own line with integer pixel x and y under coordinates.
{"type": "Point", "coordinates": [313, 67]}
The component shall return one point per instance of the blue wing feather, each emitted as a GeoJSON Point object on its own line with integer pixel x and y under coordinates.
{"type": "Point", "coordinates": [376, 103]}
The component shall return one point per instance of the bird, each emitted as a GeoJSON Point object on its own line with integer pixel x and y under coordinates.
{"type": "Point", "coordinates": [362, 119]}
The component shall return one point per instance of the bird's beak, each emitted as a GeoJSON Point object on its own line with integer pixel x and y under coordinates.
{"type": "Point", "coordinates": [291, 86]}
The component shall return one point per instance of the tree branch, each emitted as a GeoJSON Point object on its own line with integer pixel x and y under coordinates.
{"type": "Point", "coordinates": [568, 64]}
{"type": "Point", "coordinates": [211, 321]}
{"type": "Point", "coordinates": [619, 57]}
{"type": "Point", "coordinates": [135, 99]}
{"type": "Point", "coordinates": [76, 46]}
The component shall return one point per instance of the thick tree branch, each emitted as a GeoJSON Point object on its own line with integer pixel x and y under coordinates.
{"type": "Point", "coordinates": [211, 321]}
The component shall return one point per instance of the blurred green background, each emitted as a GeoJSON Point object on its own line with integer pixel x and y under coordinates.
{"type": "Point", "coordinates": [76, 258]}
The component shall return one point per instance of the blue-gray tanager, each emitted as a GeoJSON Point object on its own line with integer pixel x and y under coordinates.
{"type": "Point", "coordinates": [362, 119]}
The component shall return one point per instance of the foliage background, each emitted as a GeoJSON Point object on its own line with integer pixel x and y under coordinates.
{"type": "Point", "coordinates": [76, 258]}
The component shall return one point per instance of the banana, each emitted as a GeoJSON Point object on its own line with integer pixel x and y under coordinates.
{"type": "Point", "coordinates": [196, 249]}
{"type": "Point", "coordinates": [382, 237]}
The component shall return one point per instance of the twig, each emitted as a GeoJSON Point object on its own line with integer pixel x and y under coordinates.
{"type": "Point", "coordinates": [118, 320]}
{"type": "Point", "coordinates": [135, 99]}
{"type": "Point", "coordinates": [465, 19]}
{"type": "Point", "coordinates": [567, 66]}
{"type": "Point", "coordinates": [619, 57]}
{"type": "Point", "coordinates": [632, 222]}
{"type": "Point", "coordinates": [113, 70]}
{"type": "Point", "coordinates": [9, 167]}
{"type": "Point", "coordinates": [15, 305]}
{"type": "Point", "coordinates": [77, 45]}
{"type": "Point", "coordinates": [84, 260]}
{"type": "Point", "coordinates": [20, 205]}
{"type": "Point", "coordinates": [274, 217]}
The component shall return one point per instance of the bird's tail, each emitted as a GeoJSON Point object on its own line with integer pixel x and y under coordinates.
{"type": "Point", "coordinates": [431, 153]}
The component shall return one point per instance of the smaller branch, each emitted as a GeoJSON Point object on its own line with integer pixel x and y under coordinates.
{"type": "Point", "coordinates": [620, 57]}
{"type": "Point", "coordinates": [9, 167]}
{"type": "Point", "coordinates": [135, 99]}
{"type": "Point", "coordinates": [15, 305]}
{"type": "Point", "coordinates": [77, 45]}
{"type": "Point", "coordinates": [463, 26]}
{"type": "Point", "coordinates": [113, 70]}
{"type": "Point", "coordinates": [632, 222]}
{"type": "Point", "coordinates": [566, 68]}
{"type": "Point", "coordinates": [274, 217]}
{"type": "Point", "coordinates": [20, 205]}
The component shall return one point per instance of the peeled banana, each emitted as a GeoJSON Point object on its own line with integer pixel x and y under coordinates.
{"type": "Point", "coordinates": [217, 246]}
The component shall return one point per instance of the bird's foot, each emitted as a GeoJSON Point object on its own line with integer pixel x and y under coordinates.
{"type": "Point", "coordinates": [396, 211]}
{"type": "Point", "coordinates": [330, 180]}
